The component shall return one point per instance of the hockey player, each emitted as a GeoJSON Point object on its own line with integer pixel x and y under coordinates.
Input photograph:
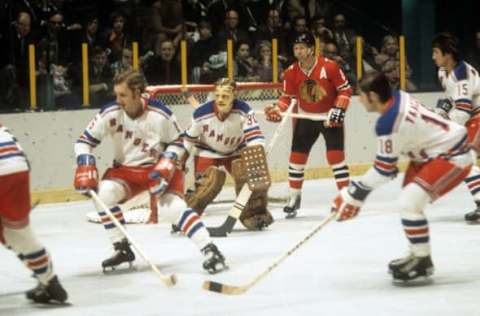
{"type": "Point", "coordinates": [147, 146]}
{"type": "Point", "coordinates": [440, 158]}
{"type": "Point", "coordinates": [319, 86]}
{"type": "Point", "coordinates": [15, 230]}
{"type": "Point", "coordinates": [461, 83]}
{"type": "Point", "coordinates": [220, 129]}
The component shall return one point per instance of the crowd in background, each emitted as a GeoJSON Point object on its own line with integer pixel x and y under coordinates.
{"type": "Point", "coordinates": [57, 28]}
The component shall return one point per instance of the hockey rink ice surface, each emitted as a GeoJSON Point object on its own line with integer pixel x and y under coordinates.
{"type": "Point", "coordinates": [340, 271]}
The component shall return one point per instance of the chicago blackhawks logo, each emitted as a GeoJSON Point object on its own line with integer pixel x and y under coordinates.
{"type": "Point", "coordinates": [311, 91]}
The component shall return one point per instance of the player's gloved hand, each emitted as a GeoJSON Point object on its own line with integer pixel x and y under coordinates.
{"type": "Point", "coordinates": [443, 107]}
{"type": "Point", "coordinates": [273, 113]}
{"type": "Point", "coordinates": [335, 117]}
{"type": "Point", "coordinates": [86, 175]}
{"type": "Point", "coordinates": [162, 173]}
{"type": "Point", "coordinates": [348, 203]}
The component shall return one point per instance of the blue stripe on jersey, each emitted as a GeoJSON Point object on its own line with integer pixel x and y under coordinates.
{"type": "Point", "coordinates": [251, 129]}
{"type": "Point", "coordinates": [91, 138]}
{"type": "Point", "coordinates": [11, 155]}
{"type": "Point", "coordinates": [387, 120]}
{"type": "Point", "coordinates": [10, 143]}
{"type": "Point", "coordinates": [242, 106]}
{"type": "Point", "coordinates": [467, 101]}
{"type": "Point", "coordinates": [108, 106]}
{"type": "Point", "coordinates": [203, 110]}
{"type": "Point", "coordinates": [159, 105]}
{"type": "Point", "coordinates": [460, 71]}
{"type": "Point", "coordinates": [255, 138]}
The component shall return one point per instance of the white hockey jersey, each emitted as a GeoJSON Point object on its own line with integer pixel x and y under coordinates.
{"type": "Point", "coordinates": [462, 87]}
{"type": "Point", "coordinates": [137, 142]}
{"type": "Point", "coordinates": [410, 129]}
{"type": "Point", "coordinates": [210, 137]}
{"type": "Point", "coordinates": [12, 158]}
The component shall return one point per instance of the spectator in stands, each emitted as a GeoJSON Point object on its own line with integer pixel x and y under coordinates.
{"type": "Point", "coordinates": [88, 35]}
{"type": "Point", "coordinates": [344, 38]}
{"type": "Point", "coordinates": [168, 20]}
{"type": "Point", "coordinates": [308, 9]}
{"type": "Point", "coordinates": [320, 29]}
{"type": "Point", "coordinates": [217, 10]}
{"type": "Point", "coordinates": [388, 61]}
{"type": "Point", "coordinates": [14, 71]}
{"type": "Point", "coordinates": [231, 31]}
{"type": "Point", "coordinates": [163, 67]}
{"type": "Point", "coordinates": [473, 54]}
{"type": "Point", "coordinates": [116, 38]}
{"type": "Point", "coordinates": [215, 68]}
{"type": "Point", "coordinates": [331, 51]}
{"type": "Point", "coordinates": [125, 63]}
{"type": "Point", "coordinates": [273, 29]}
{"type": "Point", "coordinates": [101, 76]}
{"type": "Point", "coordinates": [201, 50]}
{"type": "Point", "coordinates": [245, 66]}
{"type": "Point", "coordinates": [57, 41]}
{"type": "Point", "coordinates": [264, 57]}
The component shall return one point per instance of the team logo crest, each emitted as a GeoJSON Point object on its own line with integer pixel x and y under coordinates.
{"type": "Point", "coordinates": [311, 91]}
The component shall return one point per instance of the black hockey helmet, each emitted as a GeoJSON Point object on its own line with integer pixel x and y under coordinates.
{"type": "Point", "coordinates": [305, 38]}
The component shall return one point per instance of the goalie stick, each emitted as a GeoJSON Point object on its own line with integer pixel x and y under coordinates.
{"type": "Point", "coordinates": [236, 290]}
{"type": "Point", "coordinates": [245, 193]}
{"type": "Point", "coordinates": [168, 280]}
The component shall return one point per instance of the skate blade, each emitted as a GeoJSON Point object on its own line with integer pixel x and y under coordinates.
{"type": "Point", "coordinates": [116, 270]}
{"type": "Point", "coordinates": [291, 215]}
{"type": "Point", "coordinates": [420, 281]}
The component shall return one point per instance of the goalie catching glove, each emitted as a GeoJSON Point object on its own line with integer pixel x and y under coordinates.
{"type": "Point", "coordinates": [86, 175]}
{"type": "Point", "coordinates": [162, 173]}
{"type": "Point", "coordinates": [348, 203]}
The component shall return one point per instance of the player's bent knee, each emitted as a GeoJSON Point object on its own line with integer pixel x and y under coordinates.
{"type": "Point", "coordinates": [21, 240]}
{"type": "Point", "coordinates": [111, 192]}
{"type": "Point", "coordinates": [413, 199]}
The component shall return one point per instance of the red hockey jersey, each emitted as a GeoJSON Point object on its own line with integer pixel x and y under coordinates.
{"type": "Point", "coordinates": [317, 91]}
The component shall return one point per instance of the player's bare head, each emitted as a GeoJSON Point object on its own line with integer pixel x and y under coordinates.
{"type": "Point", "coordinates": [225, 92]}
{"type": "Point", "coordinates": [128, 87]}
{"type": "Point", "coordinates": [134, 80]}
{"type": "Point", "coordinates": [375, 90]}
{"type": "Point", "coordinates": [304, 46]}
{"type": "Point", "coordinates": [447, 44]}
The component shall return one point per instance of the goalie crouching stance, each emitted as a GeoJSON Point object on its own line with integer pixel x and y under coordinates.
{"type": "Point", "coordinates": [142, 130]}
{"type": "Point", "coordinates": [224, 132]}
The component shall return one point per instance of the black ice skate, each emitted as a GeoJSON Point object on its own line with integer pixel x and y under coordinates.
{"type": "Point", "coordinates": [215, 261]}
{"type": "Point", "coordinates": [53, 292]}
{"type": "Point", "coordinates": [175, 230]}
{"type": "Point", "coordinates": [474, 216]}
{"type": "Point", "coordinates": [411, 268]}
{"type": "Point", "coordinates": [292, 206]}
{"type": "Point", "coordinates": [122, 254]}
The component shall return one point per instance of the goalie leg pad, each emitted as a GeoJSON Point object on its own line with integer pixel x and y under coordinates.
{"type": "Point", "coordinates": [252, 168]}
{"type": "Point", "coordinates": [207, 186]}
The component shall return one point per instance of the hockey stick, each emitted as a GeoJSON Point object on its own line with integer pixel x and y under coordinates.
{"type": "Point", "coordinates": [168, 280]}
{"type": "Point", "coordinates": [245, 193]}
{"type": "Point", "coordinates": [312, 117]}
{"type": "Point", "coordinates": [236, 290]}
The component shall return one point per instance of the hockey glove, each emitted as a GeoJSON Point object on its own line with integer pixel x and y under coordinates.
{"type": "Point", "coordinates": [443, 107]}
{"type": "Point", "coordinates": [86, 175]}
{"type": "Point", "coordinates": [272, 113]}
{"type": "Point", "coordinates": [335, 117]}
{"type": "Point", "coordinates": [348, 203]}
{"type": "Point", "coordinates": [162, 173]}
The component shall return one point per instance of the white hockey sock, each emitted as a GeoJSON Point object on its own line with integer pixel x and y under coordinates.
{"type": "Point", "coordinates": [25, 244]}
{"type": "Point", "coordinates": [193, 227]}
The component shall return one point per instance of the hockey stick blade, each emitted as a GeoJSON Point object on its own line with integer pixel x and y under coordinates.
{"type": "Point", "coordinates": [223, 288]}
{"type": "Point", "coordinates": [224, 229]}
{"type": "Point", "coordinates": [236, 290]}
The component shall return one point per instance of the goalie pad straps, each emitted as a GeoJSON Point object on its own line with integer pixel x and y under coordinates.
{"type": "Point", "coordinates": [207, 186]}
{"type": "Point", "coordinates": [252, 168]}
